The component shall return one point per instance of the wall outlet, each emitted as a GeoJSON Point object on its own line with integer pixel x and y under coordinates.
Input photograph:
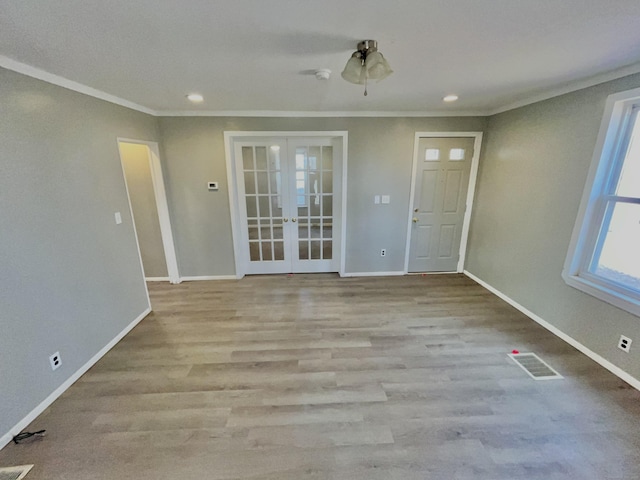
{"type": "Point", "coordinates": [55, 360]}
{"type": "Point", "coordinates": [383, 252]}
{"type": "Point", "coordinates": [624, 343]}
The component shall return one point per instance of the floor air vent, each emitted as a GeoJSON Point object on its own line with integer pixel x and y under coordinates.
{"type": "Point", "coordinates": [535, 366]}
{"type": "Point", "coordinates": [14, 473]}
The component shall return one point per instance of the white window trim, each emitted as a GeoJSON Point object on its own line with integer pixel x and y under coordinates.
{"type": "Point", "coordinates": [614, 124]}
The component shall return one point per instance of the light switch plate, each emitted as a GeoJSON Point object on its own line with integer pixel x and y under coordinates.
{"type": "Point", "coordinates": [386, 199]}
{"type": "Point", "coordinates": [118, 218]}
{"type": "Point", "coordinates": [376, 199]}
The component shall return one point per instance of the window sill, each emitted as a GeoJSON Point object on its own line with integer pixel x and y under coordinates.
{"type": "Point", "coordinates": [616, 298]}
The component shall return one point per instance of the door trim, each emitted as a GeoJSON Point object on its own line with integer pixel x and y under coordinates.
{"type": "Point", "coordinates": [162, 206]}
{"type": "Point", "coordinates": [229, 138]}
{"type": "Point", "coordinates": [473, 176]}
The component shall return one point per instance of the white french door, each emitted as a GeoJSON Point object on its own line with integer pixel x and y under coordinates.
{"type": "Point", "coordinates": [289, 202]}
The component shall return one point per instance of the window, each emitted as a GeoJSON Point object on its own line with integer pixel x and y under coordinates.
{"type": "Point", "coordinates": [456, 154]}
{"type": "Point", "coordinates": [432, 154]}
{"type": "Point", "coordinates": [604, 256]}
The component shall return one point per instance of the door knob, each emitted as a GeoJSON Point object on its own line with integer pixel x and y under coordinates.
{"type": "Point", "coordinates": [293, 219]}
{"type": "Point", "coordinates": [285, 220]}
{"type": "Point", "coordinates": [415, 220]}
{"type": "Point", "coordinates": [416, 210]}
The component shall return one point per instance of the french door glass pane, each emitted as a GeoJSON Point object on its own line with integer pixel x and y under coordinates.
{"type": "Point", "coordinates": [618, 259]}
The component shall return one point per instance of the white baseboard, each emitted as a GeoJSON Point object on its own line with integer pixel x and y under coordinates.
{"type": "Point", "coordinates": [22, 424]}
{"type": "Point", "coordinates": [373, 274]}
{"type": "Point", "coordinates": [617, 371]}
{"type": "Point", "coordinates": [208, 277]}
{"type": "Point", "coordinates": [156, 279]}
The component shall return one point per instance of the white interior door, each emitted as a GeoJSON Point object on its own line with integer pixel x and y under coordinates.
{"type": "Point", "coordinates": [289, 192]}
{"type": "Point", "coordinates": [439, 203]}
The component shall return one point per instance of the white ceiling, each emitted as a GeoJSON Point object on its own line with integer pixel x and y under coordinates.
{"type": "Point", "coordinates": [258, 55]}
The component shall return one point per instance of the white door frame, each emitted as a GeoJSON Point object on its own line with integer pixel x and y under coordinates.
{"type": "Point", "coordinates": [159, 191]}
{"type": "Point", "coordinates": [473, 175]}
{"type": "Point", "coordinates": [229, 138]}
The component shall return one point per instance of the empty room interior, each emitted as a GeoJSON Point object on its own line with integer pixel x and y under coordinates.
{"type": "Point", "coordinates": [320, 240]}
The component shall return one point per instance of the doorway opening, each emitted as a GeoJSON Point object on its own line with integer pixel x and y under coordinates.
{"type": "Point", "coordinates": [148, 204]}
{"type": "Point", "coordinates": [287, 192]}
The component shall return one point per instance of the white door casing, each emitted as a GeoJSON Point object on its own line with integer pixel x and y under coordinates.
{"type": "Point", "coordinates": [442, 190]}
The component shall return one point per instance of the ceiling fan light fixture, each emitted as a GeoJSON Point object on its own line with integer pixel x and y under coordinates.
{"type": "Point", "coordinates": [353, 70]}
{"type": "Point", "coordinates": [377, 67]}
{"type": "Point", "coordinates": [366, 63]}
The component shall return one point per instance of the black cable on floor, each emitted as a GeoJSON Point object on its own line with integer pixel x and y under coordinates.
{"type": "Point", "coordinates": [24, 435]}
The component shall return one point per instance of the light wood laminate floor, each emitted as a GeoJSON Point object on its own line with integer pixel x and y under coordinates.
{"type": "Point", "coordinates": [316, 377]}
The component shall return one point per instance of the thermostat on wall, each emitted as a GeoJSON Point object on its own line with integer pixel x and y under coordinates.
{"type": "Point", "coordinates": [212, 185]}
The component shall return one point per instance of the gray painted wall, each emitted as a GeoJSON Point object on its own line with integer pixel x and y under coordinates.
{"type": "Point", "coordinates": [380, 158]}
{"type": "Point", "coordinates": [532, 175]}
{"type": "Point", "coordinates": [71, 278]}
{"type": "Point", "coordinates": [137, 168]}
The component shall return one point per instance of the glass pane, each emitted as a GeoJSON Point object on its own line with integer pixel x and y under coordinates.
{"type": "Point", "coordinates": [278, 251]}
{"type": "Point", "coordinates": [327, 158]}
{"type": "Point", "coordinates": [327, 182]}
{"type": "Point", "coordinates": [252, 211]}
{"type": "Point", "coordinates": [432, 154]}
{"type": "Point", "coordinates": [315, 228]}
{"type": "Point", "coordinates": [247, 158]}
{"type": "Point", "coordinates": [276, 205]}
{"type": "Point", "coordinates": [313, 182]}
{"type": "Point", "coordinates": [253, 232]}
{"type": "Point", "coordinates": [276, 182]}
{"type": "Point", "coordinates": [303, 250]}
{"type": "Point", "coordinates": [314, 207]}
{"type": "Point", "coordinates": [265, 230]}
{"type": "Point", "coordinates": [261, 158]}
{"type": "Point", "coordinates": [254, 251]}
{"type": "Point", "coordinates": [456, 154]}
{"type": "Point", "coordinates": [327, 249]}
{"type": "Point", "coordinates": [266, 251]}
{"type": "Point", "coordinates": [277, 229]}
{"type": "Point", "coordinates": [263, 182]}
{"type": "Point", "coordinates": [327, 205]}
{"type": "Point", "coordinates": [249, 183]}
{"type": "Point", "coordinates": [264, 207]}
{"type": "Point", "coordinates": [314, 158]}
{"type": "Point", "coordinates": [619, 260]}
{"type": "Point", "coordinates": [301, 158]}
{"type": "Point", "coordinates": [303, 230]}
{"type": "Point", "coordinates": [629, 184]}
{"type": "Point", "coordinates": [315, 251]}
{"type": "Point", "coordinates": [303, 211]}
{"type": "Point", "coordinates": [274, 157]}
{"type": "Point", "coordinates": [327, 231]}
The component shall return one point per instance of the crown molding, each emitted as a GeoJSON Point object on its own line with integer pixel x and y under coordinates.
{"type": "Point", "coordinates": [316, 114]}
{"type": "Point", "coordinates": [570, 87]}
{"type": "Point", "coordinates": [28, 70]}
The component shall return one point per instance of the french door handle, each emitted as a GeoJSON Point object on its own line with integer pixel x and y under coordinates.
{"type": "Point", "coordinates": [293, 219]}
{"type": "Point", "coordinates": [415, 220]}
{"type": "Point", "coordinates": [285, 220]}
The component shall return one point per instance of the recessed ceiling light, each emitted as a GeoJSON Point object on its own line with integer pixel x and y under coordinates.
{"type": "Point", "coordinates": [195, 97]}
{"type": "Point", "coordinates": [450, 98]}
